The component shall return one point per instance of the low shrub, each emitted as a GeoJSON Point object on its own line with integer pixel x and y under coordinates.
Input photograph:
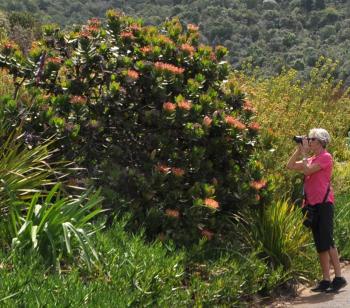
{"type": "Point", "coordinates": [284, 241]}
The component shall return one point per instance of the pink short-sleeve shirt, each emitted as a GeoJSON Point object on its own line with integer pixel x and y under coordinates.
{"type": "Point", "coordinates": [316, 184]}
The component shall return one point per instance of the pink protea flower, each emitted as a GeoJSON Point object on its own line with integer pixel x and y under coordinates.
{"type": "Point", "coordinates": [166, 67]}
{"type": "Point", "coordinates": [231, 121]}
{"type": "Point", "coordinates": [163, 168]}
{"type": "Point", "coordinates": [172, 213]}
{"type": "Point", "coordinates": [207, 121]}
{"type": "Point", "coordinates": [184, 105]}
{"type": "Point", "coordinates": [209, 202]}
{"type": "Point", "coordinates": [178, 171]}
{"type": "Point", "coordinates": [207, 234]}
{"type": "Point", "coordinates": [9, 45]}
{"type": "Point", "coordinates": [257, 184]}
{"type": "Point", "coordinates": [169, 107]}
{"type": "Point", "coordinates": [78, 100]}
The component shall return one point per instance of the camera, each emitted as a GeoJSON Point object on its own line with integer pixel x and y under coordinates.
{"type": "Point", "coordinates": [298, 139]}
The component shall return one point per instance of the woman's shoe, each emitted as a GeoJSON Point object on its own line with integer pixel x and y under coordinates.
{"type": "Point", "coordinates": [337, 284]}
{"type": "Point", "coordinates": [322, 286]}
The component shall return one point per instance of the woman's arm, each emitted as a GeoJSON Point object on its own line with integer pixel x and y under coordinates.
{"type": "Point", "coordinates": [294, 163]}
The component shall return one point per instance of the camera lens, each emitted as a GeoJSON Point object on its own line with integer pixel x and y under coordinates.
{"type": "Point", "coordinates": [298, 139]}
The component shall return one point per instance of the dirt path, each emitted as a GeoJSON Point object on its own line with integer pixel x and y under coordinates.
{"type": "Point", "coordinates": [308, 299]}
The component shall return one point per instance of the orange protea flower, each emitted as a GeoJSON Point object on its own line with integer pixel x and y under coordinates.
{"type": "Point", "coordinates": [231, 121]}
{"type": "Point", "coordinates": [164, 39]}
{"type": "Point", "coordinates": [85, 34]}
{"type": "Point", "coordinates": [248, 106]}
{"type": "Point", "coordinates": [257, 197]}
{"type": "Point", "coordinates": [187, 48]}
{"type": "Point", "coordinates": [127, 35]}
{"type": "Point", "coordinates": [92, 29]}
{"type": "Point", "coordinates": [94, 22]}
{"type": "Point", "coordinates": [178, 171]}
{"type": "Point", "coordinates": [211, 203]}
{"type": "Point", "coordinates": [133, 74]}
{"type": "Point", "coordinates": [166, 67]}
{"type": "Point", "coordinates": [135, 27]}
{"type": "Point", "coordinates": [54, 60]}
{"type": "Point", "coordinates": [258, 184]}
{"type": "Point", "coordinates": [169, 107]}
{"type": "Point", "coordinates": [78, 100]}
{"type": "Point", "coordinates": [146, 49]}
{"type": "Point", "coordinates": [172, 213]}
{"type": "Point", "coordinates": [192, 28]}
{"type": "Point", "coordinates": [163, 169]}
{"type": "Point", "coordinates": [184, 105]}
{"type": "Point", "coordinates": [207, 234]}
{"type": "Point", "coordinates": [207, 121]}
{"type": "Point", "coordinates": [254, 126]}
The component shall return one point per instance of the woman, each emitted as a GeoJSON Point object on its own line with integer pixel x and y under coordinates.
{"type": "Point", "coordinates": [317, 171]}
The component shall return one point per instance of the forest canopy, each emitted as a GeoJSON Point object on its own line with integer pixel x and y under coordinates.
{"type": "Point", "coordinates": [267, 33]}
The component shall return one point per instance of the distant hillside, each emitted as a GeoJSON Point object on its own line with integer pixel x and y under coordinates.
{"type": "Point", "coordinates": [267, 33]}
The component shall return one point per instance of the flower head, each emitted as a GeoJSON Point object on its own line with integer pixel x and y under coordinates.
{"type": "Point", "coordinates": [248, 106]}
{"type": "Point", "coordinates": [187, 48]}
{"type": "Point", "coordinates": [163, 169]}
{"type": "Point", "coordinates": [169, 107]}
{"type": "Point", "coordinates": [133, 74]}
{"type": "Point", "coordinates": [207, 121]}
{"type": "Point", "coordinates": [78, 100]}
{"type": "Point", "coordinates": [184, 105]}
{"type": "Point", "coordinates": [166, 67]}
{"type": "Point", "coordinates": [127, 35]}
{"type": "Point", "coordinates": [254, 126]}
{"type": "Point", "coordinates": [172, 213]}
{"type": "Point", "coordinates": [207, 234]}
{"type": "Point", "coordinates": [258, 184]}
{"type": "Point", "coordinates": [192, 28]}
{"type": "Point", "coordinates": [146, 49]}
{"type": "Point", "coordinates": [178, 171]}
{"type": "Point", "coordinates": [231, 121]}
{"type": "Point", "coordinates": [54, 60]}
{"type": "Point", "coordinates": [213, 204]}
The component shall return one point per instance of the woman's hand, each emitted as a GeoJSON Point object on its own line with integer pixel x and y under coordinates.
{"type": "Point", "coordinates": [304, 147]}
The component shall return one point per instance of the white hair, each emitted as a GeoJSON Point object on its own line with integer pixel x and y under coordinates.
{"type": "Point", "coordinates": [320, 134]}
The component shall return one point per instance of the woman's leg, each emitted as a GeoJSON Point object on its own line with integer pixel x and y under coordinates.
{"type": "Point", "coordinates": [324, 262]}
{"type": "Point", "coordinates": [333, 254]}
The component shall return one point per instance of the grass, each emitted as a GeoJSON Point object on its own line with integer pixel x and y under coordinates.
{"type": "Point", "coordinates": [136, 273]}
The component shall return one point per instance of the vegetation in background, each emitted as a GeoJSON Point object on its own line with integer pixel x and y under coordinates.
{"type": "Point", "coordinates": [286, 107]}
{"type": "Point", "coordinates": [269, 34]}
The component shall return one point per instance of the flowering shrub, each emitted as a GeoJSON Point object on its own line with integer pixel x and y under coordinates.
{"type": "Point", "coordinates": [147, 111]}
